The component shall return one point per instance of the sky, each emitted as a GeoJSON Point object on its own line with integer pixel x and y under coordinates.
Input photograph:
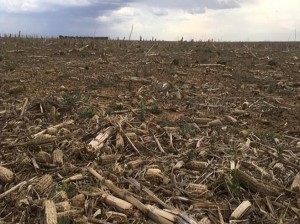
{"type": "Point", "coordinates": [220, 20]}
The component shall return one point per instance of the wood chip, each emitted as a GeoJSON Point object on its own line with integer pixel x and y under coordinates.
{"type": "Point", "coordinates": [6, 175]}
{"type": "Point", "coordinates": [50, 214]}
{"type": "Point", "coordinates": [241, 210]}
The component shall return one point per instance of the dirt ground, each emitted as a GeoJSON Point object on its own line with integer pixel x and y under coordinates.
{"type": "Point", "coordinates": [149, 132]}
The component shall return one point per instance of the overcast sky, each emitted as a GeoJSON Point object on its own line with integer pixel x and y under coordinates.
{"type": "Point", "coordinates": [223, 20]}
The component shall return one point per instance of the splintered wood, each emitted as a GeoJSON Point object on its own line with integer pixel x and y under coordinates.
{"type": "Point", "coordinates": [155, 214]}
{"type": "Point", "coordinates": [99, 141]}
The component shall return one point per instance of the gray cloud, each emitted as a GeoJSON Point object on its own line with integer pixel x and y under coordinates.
{"type": "Point", "coordinates": [193, 6]}
{"type": "Point", "coordinates": [159, 12]}
{"type": "Point", "coordinates": [56, 17]}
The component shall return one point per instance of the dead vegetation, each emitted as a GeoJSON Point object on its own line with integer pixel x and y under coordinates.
{"type": "Point", "coordinates": [149, 132]}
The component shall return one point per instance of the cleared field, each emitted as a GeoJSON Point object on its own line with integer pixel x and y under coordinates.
{"type": "Point", "coordinates": [105, 131]}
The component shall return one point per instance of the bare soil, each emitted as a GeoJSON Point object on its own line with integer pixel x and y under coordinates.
{"type": "Point", "coordinates": [209, 131]}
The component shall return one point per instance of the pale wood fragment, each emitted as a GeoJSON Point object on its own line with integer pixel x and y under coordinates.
{"type": "Point", "coordinates": [205, 220]}
{"type": "Point", "coordinates": [132, 136]}
{"type": "Point", "coordinates": [131, 143]}
{"type": "Point", "coordinates": [196, 165]}
{"type": "Point", "coordinates": [137, 131]}
{"type": "Point", "coordinates": [156, 175]}
{"type": "Point", "coordinates": [140, 187]}
{"type": "Point", "coordinates": [116, 202]}
{"type": "Point", "coordinates": [239, 112]}
{"type": "Point", "coordinates": [128, 197]}
{"type": "Point", "coordinates": [211, 65]}
{"type": "Point", "coordinates": [214, 123]}
{"type": "Point", "coordinates": [43, 157]}
{"type": "Point", "coordinates": [58, 157]}
{"type": "Point", "coordinates": [109, 159]}
{"type": "Point", "coordinates": [241, 210]}
{"type": "Point", "coordinates": [231, 119]}
{"type": "Point", "coordinates": [135, 163]}
{"type": "Point", "coordinates": [57, 126]}
{"type": "Point", "coordinates": [158, 144]}
{"type": "Point", "coordinates": [6, 175]}
{"type": "Point", "coordinates": [98, 142]}
{"type": "Point", "coordinates": [119, 141]}
{"type": "Point", "coordinates": [202, 120]}
{"type": "Point", "coordinates": [63, 206]}
{"type": "Point", "coordinates": [43, 184]}
{"type": "Point", "coordinates": [245, 105]}
{"type": "Point", "coordinates": [296, 184]}
{"type": "Point", "coordinates": [171, 216]}
{"type": "Point", "coordinates": [178, 165]}
{"type": "Point", "coordinates": [4, 194]}
{"type": "Point", "coordinates": [279, 167]}
{"type": "Point", "coordinates": [199, 190]}
{"type": "Point", "coordinates": [78, 200]}
{"type": "Point", "coordinates": [60, 197]}
{"type": "Point", "coordinates": [256, 185]}
{"type": "Point", "coordinates": [50, 214]}
{"type": "Point", "coordinates": [171, 130]}
{"type": "Point", "coordinates": [75, 177]}
{"type": "Point", "coordinates": [116, 217]}
{"type": "Point", "coordinates": [70, 213]}
{"type": "Point", "coordinates": [244, 133]}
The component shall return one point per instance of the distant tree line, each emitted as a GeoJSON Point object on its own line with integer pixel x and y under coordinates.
{"type": "Point", "coordinates": [82, 37]}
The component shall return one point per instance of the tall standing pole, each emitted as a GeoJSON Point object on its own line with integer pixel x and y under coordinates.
{"type": "Point", "coordinates": [131, 32]}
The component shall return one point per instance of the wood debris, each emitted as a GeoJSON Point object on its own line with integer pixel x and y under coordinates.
{"type": "Point", "coordinates": [117, 131]}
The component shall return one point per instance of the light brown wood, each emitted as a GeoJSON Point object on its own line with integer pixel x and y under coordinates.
{"type": "Point", "coordinates": [50, 215]}
{"type": "Point", "coordinates": [6, 175]}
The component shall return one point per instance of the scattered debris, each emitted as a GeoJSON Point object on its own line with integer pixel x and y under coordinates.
{"type": "Point", "coordinates": [103, 131]}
